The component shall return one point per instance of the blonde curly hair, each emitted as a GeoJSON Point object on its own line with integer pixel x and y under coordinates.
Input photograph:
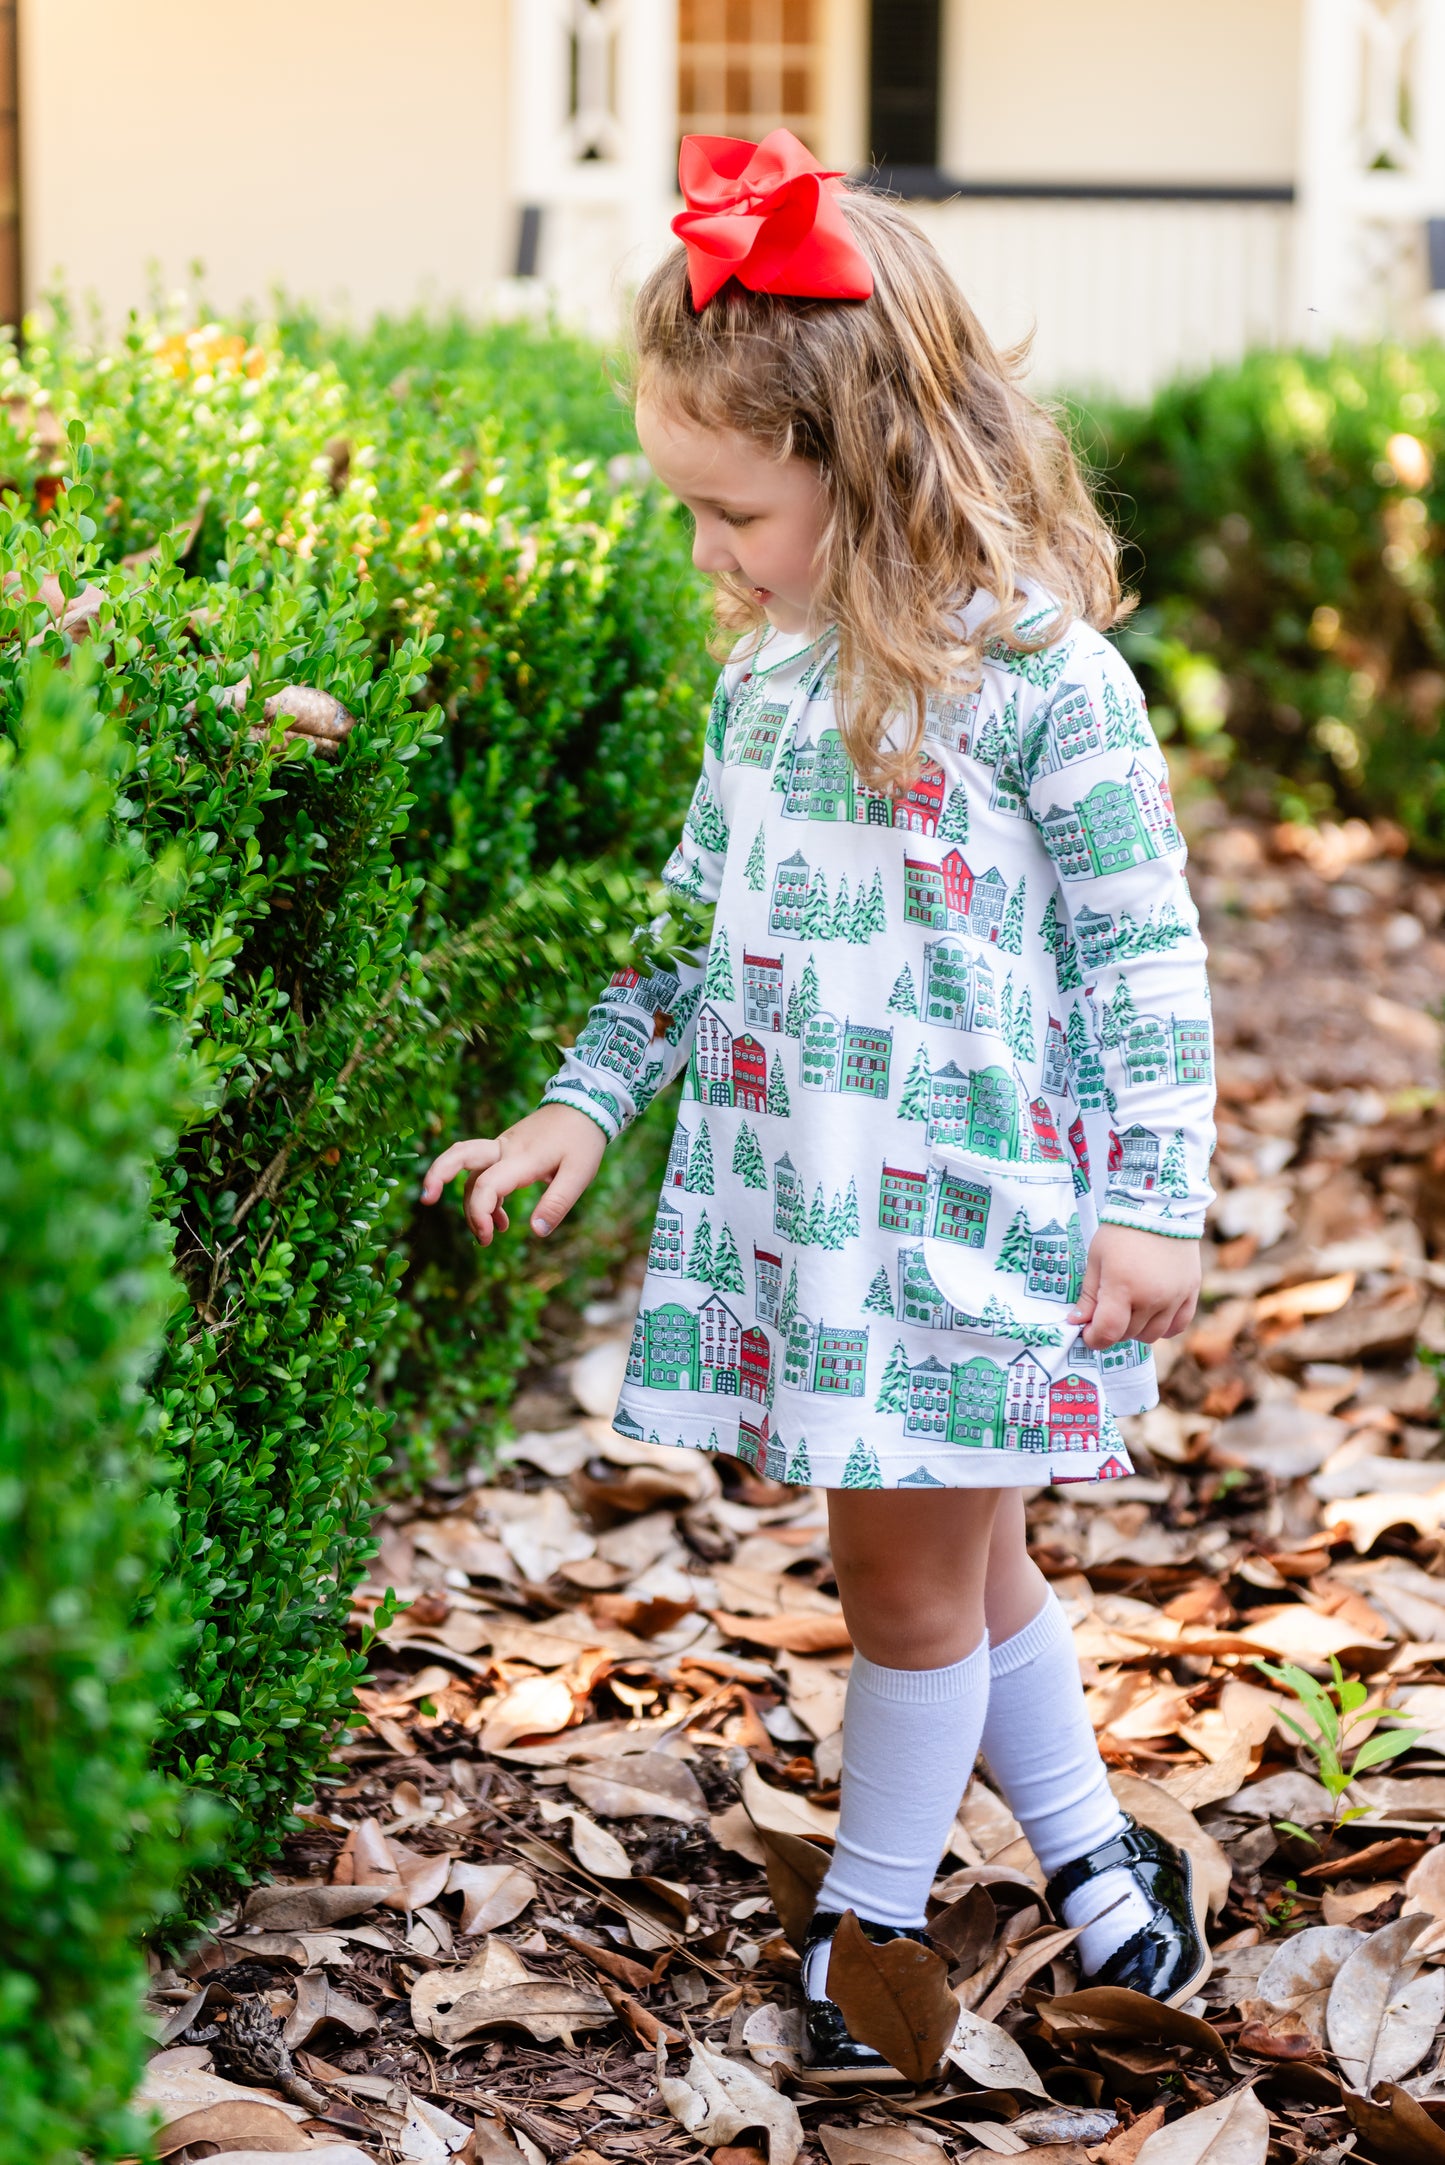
{"type": "Point", "coordinates": [944, 477]}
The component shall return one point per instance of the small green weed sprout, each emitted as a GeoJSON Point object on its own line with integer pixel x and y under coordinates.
{"type": "Point", "coordinates": [1337, 1711]}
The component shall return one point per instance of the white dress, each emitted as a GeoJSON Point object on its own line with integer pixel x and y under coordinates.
{"type": "Point", "coordinates": [933, 1044]}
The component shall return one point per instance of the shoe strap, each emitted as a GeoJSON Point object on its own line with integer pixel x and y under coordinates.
{"type": "Point", "coordinates": [1130, 1846]}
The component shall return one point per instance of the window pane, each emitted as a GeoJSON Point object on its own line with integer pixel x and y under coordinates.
{"type": "Point", "coordinates": [903, 82]}
{"type": "Point", "coordinates": [746, 66]}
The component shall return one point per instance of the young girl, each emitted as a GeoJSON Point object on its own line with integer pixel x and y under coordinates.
{"type": "Point", "coordinates": [940, 1166]}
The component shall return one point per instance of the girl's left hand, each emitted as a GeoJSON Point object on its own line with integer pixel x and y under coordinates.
{"type": "Point", "coordinates": [1136, 1285]}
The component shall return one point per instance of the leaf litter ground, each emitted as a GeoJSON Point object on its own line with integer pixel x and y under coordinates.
{"type": "Point", "coordinates": [593, 1778]}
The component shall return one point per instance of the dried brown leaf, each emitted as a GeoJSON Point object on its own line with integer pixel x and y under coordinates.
{"type": "Point", "coordinates": [1383, 2010]}
{"type": "Point", "coordinates": [894, 1998]}
{"type": "Point", "coordinates": [1394, 2128]}
{"type": "Point", "coordinates": [1234, 2130]}
{"type": "Point", "coordinates": [635, 1785]}
{"type": "Point", "coordinates": [1112, 2011]}
{"type": "Point", "coordinates": [233, 2125]}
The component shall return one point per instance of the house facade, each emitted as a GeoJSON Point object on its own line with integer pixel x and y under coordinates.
{"type": "Point", "coordinates": [1142, 185]}
{"type": "Point", "coordinates": [1145, 184]}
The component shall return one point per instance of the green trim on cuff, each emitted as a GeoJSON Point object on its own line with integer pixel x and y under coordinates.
{"type": "Point", "coordinates": [1164, 1232]}
{"type": "Point", "coordinates": [578, 1104]}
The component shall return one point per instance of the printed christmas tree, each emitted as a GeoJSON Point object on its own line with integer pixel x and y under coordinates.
{"type": "Point", "coordinates": [1118, 1016]}
{"type": "Point", "coordinates": [870, 913]}
{"type": "Point", "coordinates": [748, 1158]}
{"type": "Point", "coordinates": [779, 1104]}
{"type": "Point", "coordinates": [850, 1211]}
{"type": "Point", "coordinates": [718, 985]}
{"type": "Point", "coordinates": [808, 1000]}
{"type": "Point", "coordinates": [699, 1254]}
{"type": "Point", "coordinates": [842, 910]}
{"type": "Point", "coordinates": [1051, 932]}
{"type": "Point", "coordinates": [1174, 1172]}
{"type": "Point", "coordinates": [683, 1013]}
{"type": "Point", "coordinates": [1011, 931]}
{"type": "Point", "coordinates": [817, 910]}
{"type": "Point", "coordinates": [717, 720]}
{"type": "Point", "coordinates": [818, 1219]}
{"type": "Point", "coordinates": [1022, 1039]}
{"type": "Point", "coordinates": [903, 1000]}
{"type": "Point", "coordinates": [1014, 1253]}
{"type": "Point", "coordinates": [953, 827]}
{"type": "Point", "coordinates": [699, 1177]}
{"type": "Point", "coordinates": [705, 822]}
{"type": "Point", "coordinates": [879, 1298]}
{"type": "Point", "coordinates": [917, 1088]}
{"type": "Point", "coordinates": [800, 1469]}
{"type": "Point", "coordinates": [788, 1313]}
{"type": "Point", "coordinates": [757, 864]}
{"type": "Point", "coordinates": [727, 1269]}
{"type": "Point", "coordinates": [862, 1469]}
{"type": "Point", "coordinates": [893, 1390]}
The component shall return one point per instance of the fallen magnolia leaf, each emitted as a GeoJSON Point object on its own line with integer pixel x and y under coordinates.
{"type": "Point", "coordinates": [533, 1706]}
{"type": "Point", "coordinates": [492, 1894]}
{"type": "Point", "coordinates": [877, 2146]}
{"type": "Point", "coordinates": [421, 1879]}
{"type": "Point", "coordinates": [318, 2003]}
{"type": "Point", "coordinates": [1297, 1979]}
{"type": "Point", "coordinates": [172, 2091]}
{"type": "Point", "coordinates": [993, 2059]}
{"type": "Point", "coordinates": [733, 1829]}
{"type": "Point", "coordinates": [1383, 2009]}
{"type": "Point", "coordinates": [774, 2035]}
{"type": "Point", "coordinates": [1037, 1949]}
{"type": "Point", "coordinates": [309, 1906]}
{"type": "Point", "coordinates": [793, 1634]}
{"type": "Point", "coordinates": [1156, 1809]}
{"type": "Point", "coordinates": [1394, 2127]}
{"type": "Point", "coordinates": [644, 2025]}
{"type": "Point", "coordinates": [1234, 2130]}
{"type": "Point", "coordinates": [496, 1989]}
{"type": "Point", "coordinates": [233, 2125]}
{"type": "Point", "coordinates": [1114, 2011]}
{"type": "Point", "coordinates": [719, 2097]}
{"type": "Point", "coordinates": [429, 2135]}
{"type": "Point", "coordinates": [637, 1785]}
{"type": "Point", "coordinates": [780, 1811]}
{"type": "Point", "coordinates": [620, 1966]}
{"type": "Point", "coordinates": [1283, 1439]}
{"type": "Point", "coordinates": [1337, 1908]}
{"type": "Point", "coordinates": [542, 1532]}
{"type": "Point", "coordinates": [894, 1998]}
{"type": "Point", "coordinates": [796, 1870]}
{"type": "Point", "coordinates": [596, 1850]}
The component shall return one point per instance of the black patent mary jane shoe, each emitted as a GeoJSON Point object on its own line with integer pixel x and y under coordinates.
{"type": "Point", "coordinates": [830, 2055]}
{"type": "Point", "coordinates": [1168, 1959]}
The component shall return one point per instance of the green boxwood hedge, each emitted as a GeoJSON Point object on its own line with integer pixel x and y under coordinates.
{"type": "Point", "coordinates": [371, 938]}
{"type": "Point", "coordinates": [1285, 516]}
{"type": "Point", "coordinates": [90, 1084]}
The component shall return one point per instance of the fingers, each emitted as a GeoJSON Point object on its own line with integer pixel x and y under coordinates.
{"type": "Point", "coordinates": [1088, 1294]}
{"type": "Point", "coordinates": [470, 1157]}
{"type": "Point", "coordinates": [571, 1181]}
{"type": "Point", "coordinates": [1112, 1316]}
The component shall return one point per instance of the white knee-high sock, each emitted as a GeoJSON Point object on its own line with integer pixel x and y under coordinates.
{"type": "Point", "coordinates": [1042, 1753]}
{"type": "Point", "coordinates": [910, 1737]}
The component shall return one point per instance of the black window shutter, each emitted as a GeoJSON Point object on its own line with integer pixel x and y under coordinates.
{"type": "Point", "coordinates": [903, 83]}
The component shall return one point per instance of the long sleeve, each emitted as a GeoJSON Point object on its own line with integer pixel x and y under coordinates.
{"type": "Point", "coordinates": [1126, 938]}
{"type": "Point", "coordinates": [639, 1033]}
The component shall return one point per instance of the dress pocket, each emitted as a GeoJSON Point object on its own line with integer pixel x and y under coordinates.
{"type": "Point", "coordinates": [1003, 1243]}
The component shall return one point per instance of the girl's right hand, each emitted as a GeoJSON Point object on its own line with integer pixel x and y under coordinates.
{"type": "Point", "coordinates": [556, 1144]}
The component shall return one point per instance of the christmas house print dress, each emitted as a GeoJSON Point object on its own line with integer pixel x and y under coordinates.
{"type": "Point", "coordinates": [934, 1042]}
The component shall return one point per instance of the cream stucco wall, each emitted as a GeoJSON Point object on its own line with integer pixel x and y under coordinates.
{"type": "Point", "coordinates": [1121, 90]}
{"type": "Point", "coordinates": [352, 151]}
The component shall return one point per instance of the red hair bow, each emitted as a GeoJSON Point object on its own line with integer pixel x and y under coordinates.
{"type": "Point", "coordinates": [768, 215]}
